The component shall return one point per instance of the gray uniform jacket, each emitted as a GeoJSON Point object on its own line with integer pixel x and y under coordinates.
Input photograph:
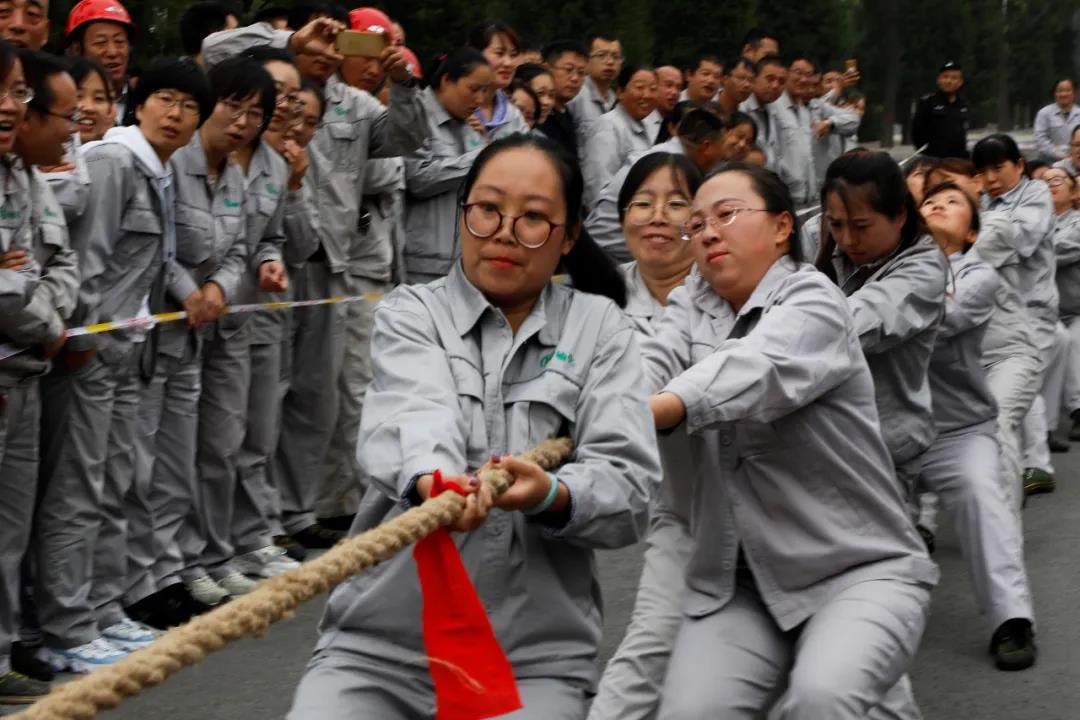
{"type": "Point", "coordinates": [677, 491]}
{"type": "Point", "coordinates": [845, 123]}
{"type": "Point", "coordinates": [378, 255]}
{"type": "Point", "coordinates": [796, 161]}
{"type": "Point", "coordinates": [613, 137]}
{"type": "Point", "coordinates": [898, 305]}
{"type": "Point", "coordinates": [602, 221]}
{"type": "Point", "coordinates": [1053, 131]}
{"type": "Point", "coordinates": [791, 469]}
{"type": "Point", "coordinates": [1067, 250]}
{"type": "Point", "coordinates": [1010, 332]}
{"type": "Point", "coordinates": [356, 126]}
{"type": "Point", "coordinates": [1030, 212]}
{"type": "Point", "coordinates": [433, 176]}
{"type": "Point", "coordinates": [586, 108]}
{"type": "Point", "coordinates": [211, 242]}
{"type": "Point", "coordinates": [71, 187]}
{"type": "Point", "coordinates": [453, 385]}
{"type": "Point", "coordinates": [119, 240]}
{"type": "Point", "coordinates": [771, 129]}
{"type": "Point", "coordinates": [958, 385]}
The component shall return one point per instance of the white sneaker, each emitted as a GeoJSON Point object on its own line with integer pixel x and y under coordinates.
{"type": "Point", "coordinates": [236, 584]}
{"type": "Point", "coordinates": [84, 658]}
{"type": "Point", "coordinates": [206, 591]}
{"type": "Point", "coordinates": [266, 562]}
{"type": "Point", "coordinates": [129, 635]}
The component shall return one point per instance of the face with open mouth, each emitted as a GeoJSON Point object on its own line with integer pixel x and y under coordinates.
{"type": "Point", "coordinates": [96, 111]}
{"type": "Point", "coordinates": [12, 108]}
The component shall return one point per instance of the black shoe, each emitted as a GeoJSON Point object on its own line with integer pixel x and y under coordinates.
{"type": "Point", "coordinates": [317, 537]}
{"type": "Point", "coordinates": [189, 606]}
{"type": "Point", "coordinates": [292, 548]}
{"type": "Point", "coordinates": [1074, 434]}
{"type": "Point", "coordinates": [1013, 645]}
{"type": "Point", "coordinates": [927, 537]}
{"type": "Point", "coordinates": [1038, 481]}
{"type": "Point", "coordinates": [1056, 445]}
{"type": "Point", "coordinates": [18, 689]}
{"type": "Point", "coordinates": [24, 660]}
{"type": "Point", "coordinates": [338, 522]}
{"type": "Point", "coordinates": [160, 611]}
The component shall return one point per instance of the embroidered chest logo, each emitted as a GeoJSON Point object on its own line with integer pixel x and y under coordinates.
{"type": "Point", "coordinates": [232, 203]}
{"type": "Point", "coordinates": [558, 356]}
{"type": "Point", "coordinates": [273, 189]}
{"type": "Point", "coordinates": [49, 213]}
{"type": "Point", "coordinates": [340, 111]}
{"type": "Point", "coordinates": [6, 214]}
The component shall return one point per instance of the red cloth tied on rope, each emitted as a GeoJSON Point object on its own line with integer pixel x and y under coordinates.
{"type": "Point", "coordinates": [473, 679]}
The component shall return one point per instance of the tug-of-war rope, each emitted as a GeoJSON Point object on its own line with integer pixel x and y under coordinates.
{"type": "Point", "coordinates": [273, 600]}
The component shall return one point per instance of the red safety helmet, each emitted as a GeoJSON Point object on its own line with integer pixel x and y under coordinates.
{"type": "Point", "coordinates": [88, 11]}
{"type": "Point", "coordinates": [368, 19]}
{"type": "Point", "coordinates": [413, 63]}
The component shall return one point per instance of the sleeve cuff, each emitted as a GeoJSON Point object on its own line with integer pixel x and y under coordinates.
{"type": "Point", "coordinates": [181, 284]}
{"type": "Point", "coordinates": [696, 414]}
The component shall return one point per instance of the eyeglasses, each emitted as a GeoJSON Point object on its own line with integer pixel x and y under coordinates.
{"type": "Point", "coordinates": [20, 95]}
{"type": "Point", "coordinates": [1055, 181]}
{"type": "Point", "coordinates": [571, 70]}
{"type": "Point", "coordinates": [531, 230]}
{"type": "Point", "coordinates": [722, 219]}
{"type": "Point", "coordinates": [72, 118]}
{"type": "Point", "coordinates": [171, 102]}
{"type": "Point", "coordinates": [605, 55]}
{"type": "Point", "coordinates": [255, 116]}
{"type": "Point", "coordinates": [642, 212]}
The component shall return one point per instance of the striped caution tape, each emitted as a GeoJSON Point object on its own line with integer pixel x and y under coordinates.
{"type": "Point", "coordinates": [150, 321]}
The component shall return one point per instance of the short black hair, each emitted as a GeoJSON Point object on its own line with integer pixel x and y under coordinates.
{"type": "Point", "coordinates": [199, 21]}
{"type": "Point", "coordinates": [519, 84]}
{"type": "Point", "coordinates": [527, 71]}
{"type": "Point", "coordinates": [456, 65]}
{"type": "Point", "coordinates": [994, 150]}
{"type": "Point", "coordinates": [1065, 79]}
{"type": "Point", "coordinates": [771, 60]}
{"type": "Point", "coordinates": [733, 63]}
{"type": "Point", "coordinates": [557, 48]}
{"type": "Point", "coordinates": [81, 67]}
{"type": "Point", "coordinates": [238, 78]}
{"type": "Point", "coordinates": [270, 13]}
{"type": "Point", "coordinates": [696, 65]}
{"type": "Point", "coordinates": [263, 54]}
{"type": "Point", "coordinates": [317, 91]}
{"type": "Point", "coordinates": [304, 12]}
{"type": "Point", "coordinates": [796, 57]}
{"type": "Point", "coordinates": [684, 173]}
{"type": "Point", "coordinates": [603, 35]}
{"type": "Point", "coordinates": [755, 36]}
{"type": "Point", "coordinates": [700, 125]}
{"type": "Point", "coordinates": [628, 71]}
{"type": "Point", "coordinates": [738, 118]}
{"type": "Point", "coordinates": [180, 74]}
{"type": "Point", "coordinates": [482, 35]}
{"type": "Point", "coordinates": [1032, 166]}
{"type": "Point", "coordinates": [38, 67]}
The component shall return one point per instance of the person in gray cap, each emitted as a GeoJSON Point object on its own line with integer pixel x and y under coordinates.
{"type": "Point", "coordinates": [941, 118]}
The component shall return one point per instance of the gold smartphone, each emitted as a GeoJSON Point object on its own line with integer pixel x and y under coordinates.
{"type": "Point", "coordinates": [352, 43]}
{"type": "Point", "coordinates": [851, 64]}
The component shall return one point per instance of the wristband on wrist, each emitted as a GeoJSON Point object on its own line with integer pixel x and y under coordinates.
{"type": "Point", "coordinates": [544, 504]}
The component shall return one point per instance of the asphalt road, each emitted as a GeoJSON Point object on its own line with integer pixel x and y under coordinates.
{"type": "Point", "coordinates": [953, 675]}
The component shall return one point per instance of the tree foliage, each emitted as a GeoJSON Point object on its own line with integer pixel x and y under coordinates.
{"type": "Point", "coordinates": [1012, 50]}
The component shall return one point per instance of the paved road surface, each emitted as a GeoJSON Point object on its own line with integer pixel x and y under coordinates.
{"type": "Point", "coordinates": [953, 675]}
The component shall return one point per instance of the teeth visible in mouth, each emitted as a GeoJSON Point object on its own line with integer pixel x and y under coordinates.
{"type": "Point", "coordinates": [7, 127]}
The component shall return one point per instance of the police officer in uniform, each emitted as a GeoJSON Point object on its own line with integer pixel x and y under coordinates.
{"type": "Point", "coordinates": [941, 118]}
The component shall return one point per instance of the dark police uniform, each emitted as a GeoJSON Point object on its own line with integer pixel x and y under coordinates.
{"type": "Point", "coordinates": [942, 125]}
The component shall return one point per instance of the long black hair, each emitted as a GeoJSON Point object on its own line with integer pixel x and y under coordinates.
{"type": "Point", "coordinates": [590, 269]}
{"type": "Point", "coordinates": [881, 184]}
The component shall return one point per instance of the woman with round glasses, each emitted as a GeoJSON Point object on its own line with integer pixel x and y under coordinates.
{"type": "Point", "coordinates": [1067, 251]}
{"type": "Point", "coordinates": [654, 206]}
{"type": "Point", "coordinates": [800, 533]}
{"type": "Point", "coordinates": [488, 361]}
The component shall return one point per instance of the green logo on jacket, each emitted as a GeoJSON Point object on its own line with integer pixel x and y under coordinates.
{"type": "Point", "coordinates": [6, 214]}
{"type": "Point", "coordinates": [559, 355]}
{"type": "Point", "coordinates": [340, 111]}
{"type": "Point", "coordinates": [232, 203]}
{"type": "Point", "coordinates": [273, 189]}
{"type": "Point", "coordinates": [49, 212]}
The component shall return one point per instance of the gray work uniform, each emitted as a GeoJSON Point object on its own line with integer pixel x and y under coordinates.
{"type": "Point", "coordinates": [794, 138]}
{"type": "Point", "coordinates": [634, 677]}
{"type": "Point", "coordinates": [1010, 356]}
{"type": "Point", "coordinates": [800, 531]}
{"type": "Point", "coordinates": [210, 248]}
{"type": "Point", "coordinates": [897, 304]}
{"type": "Point", "coordinates": [89, 415]}
{"type": "Point", "coordinates": [506, 119]}
{"type": "Point", "coordinates": [845, 123]}
{"type": "Point", "coordinates": [357, 128]}
{"type": "Point", "coordinates": [433, 176]}
{"type": "Point", "coordinates": [771, 129]}
{"type": "Point", "coordinates": [1053, 131]}
{"type": "Point", "coordinates": [1067, 250]}
{"type": "Point", "coordinates": [454, 385]}
{"type": "Point", "coordinates": [375, 267]}
{"type": "Point", "coordinates": [33, 305]}
{"type": "Point", "coordinates": [586, 108]}
{"type": "Point", "coordinates": [1030, 211]}
{"type": "Point", "coordinates": [603, 221]}
{"type": "Point", "coordinates": [613, 137]}
{"type": "Point", "coordinates": [962, 465]}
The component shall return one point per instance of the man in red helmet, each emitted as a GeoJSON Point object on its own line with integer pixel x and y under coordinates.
{"type": "Point", "coordinates": [25, 23]}
{"type": "Point", "coordinates": [103, 30]}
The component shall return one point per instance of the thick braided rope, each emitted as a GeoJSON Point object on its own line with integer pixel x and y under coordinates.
{"type": "Point", "coordinates": [273, 600]}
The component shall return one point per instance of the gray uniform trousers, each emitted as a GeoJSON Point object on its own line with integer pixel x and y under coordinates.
{"type": "Point", "coordinates": [1071, 390]}
{"type": "Point", "coordinates": [962, 467]}
{"type": "Point", "coordinates": [80, 534]}
{"type": "Point", "coordinates": [343, 482]}
{"type": "Point", "coordinates": [339, 684]}
{"type": "Point", "coordinates": [20, 422]}
{"type": "Point", "coordinates": [736, 662]}
{"type": "Point", "coordinates": [1057, 368]}
{"type": "Point", "coordinates": [223, 407]}
{"type": "Point", "coordinates": [1036, 451]}
{"type": "Point", "coordinates": [310, 408]}
{"type": "Point", "coordinates": [1014, 383]}
{"type": "Point", "coordinates": [163, 500]}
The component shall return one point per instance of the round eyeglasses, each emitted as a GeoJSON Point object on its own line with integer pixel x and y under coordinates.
{"type": "Point", "coordinates": [642, 212]}
{"type": "Point", "coordinates": [530, 229]}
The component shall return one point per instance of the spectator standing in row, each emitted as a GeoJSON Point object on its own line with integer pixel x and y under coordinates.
{"type": "Point", "coordinates": [1055, 122]}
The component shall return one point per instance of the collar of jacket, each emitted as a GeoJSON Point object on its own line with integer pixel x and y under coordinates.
{"type": "Point", "coordinates": [717, 307]}
{"type": "Point", "coordinates": [468, 304]}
